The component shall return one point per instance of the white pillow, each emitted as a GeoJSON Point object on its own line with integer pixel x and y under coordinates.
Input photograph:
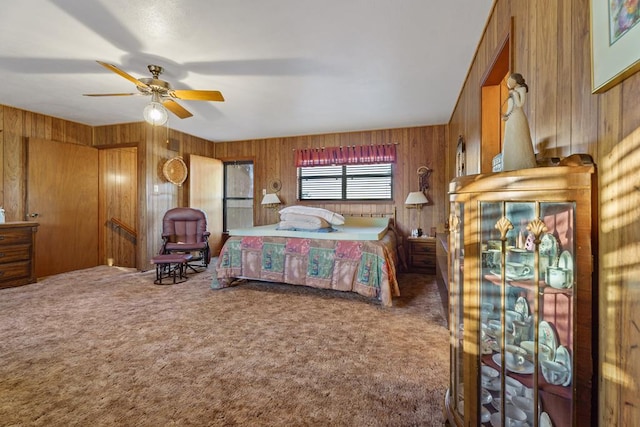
{"type": "Point", "coordinates": [332, 217]}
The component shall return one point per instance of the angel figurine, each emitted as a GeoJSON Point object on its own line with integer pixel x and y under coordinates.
{"type": "Point", "coordinates": [517, 147]}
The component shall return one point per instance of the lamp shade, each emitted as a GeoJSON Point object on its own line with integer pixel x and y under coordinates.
{"type": "Point", "coordinates": [416, 198]}
{"type": "Point", "coordinates": [271, 199]}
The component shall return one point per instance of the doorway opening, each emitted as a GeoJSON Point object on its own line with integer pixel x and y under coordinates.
{"type": "Point", "coordinates": [494, 93]}
{"type": "Point", "coordinates": [118, 212]}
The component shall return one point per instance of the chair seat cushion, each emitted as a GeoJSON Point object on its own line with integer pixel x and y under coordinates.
{"type": "Point", "coordinates": [171, 258]}
{"type": "Point", "coordinates": [185, 246]}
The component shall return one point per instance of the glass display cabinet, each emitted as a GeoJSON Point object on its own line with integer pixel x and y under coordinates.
{"type": "Point", "coordinates": [521, 287]}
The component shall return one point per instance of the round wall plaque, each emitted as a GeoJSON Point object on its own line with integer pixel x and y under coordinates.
{"type": "Point", "coordinates": [275, 185]}
{"type": "Point", "coordinates": [175, 170]}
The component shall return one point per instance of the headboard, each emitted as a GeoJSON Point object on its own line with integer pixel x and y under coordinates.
{"type": "Point", "coordinates": [391, 215]}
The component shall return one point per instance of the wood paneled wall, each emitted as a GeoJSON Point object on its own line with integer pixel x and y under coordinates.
{"type": "Point", "coordinates": [551, 49]}
{"type": "Point", "coordinates": [16, 126]}
{"type": "Point", "coordinates": [417, 146]}
{"type": "Point", "coordinates": [155, 147]}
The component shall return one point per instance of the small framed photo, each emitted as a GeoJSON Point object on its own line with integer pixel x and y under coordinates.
{"type": "Point", "coordinates": [615, 41]}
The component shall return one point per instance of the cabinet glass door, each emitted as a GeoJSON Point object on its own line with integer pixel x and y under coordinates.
{"type": "Point", "coordinates": [491, 304]}
{"type": "Point", "coordinates": [526, 311]}
{"type": "Point", "coordinates": [456, 260]}
{"type": "Point", "coordinates": [556, 304]}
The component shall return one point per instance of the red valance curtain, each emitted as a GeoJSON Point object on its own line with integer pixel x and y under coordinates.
{"type": "Point", "coordinates": [348, 155]}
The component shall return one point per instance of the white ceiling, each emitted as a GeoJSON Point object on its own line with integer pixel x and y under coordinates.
{"type": "Point", "coordinates": [285, 67]}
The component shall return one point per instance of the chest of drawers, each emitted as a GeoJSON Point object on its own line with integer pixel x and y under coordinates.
{"type": "Point", "coordinates": [17, 253]}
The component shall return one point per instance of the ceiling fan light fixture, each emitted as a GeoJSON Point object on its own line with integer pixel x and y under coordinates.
{"type": "Point", "coordinates": [155, 114]}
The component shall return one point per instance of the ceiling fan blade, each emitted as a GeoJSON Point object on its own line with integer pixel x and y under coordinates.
{"type": "Point", "coordinates": [176, 108]}
{"type": "Point", "coordinates": [110, 94]}
{"type": "Point", "coordinates": [197, 95]}
{"type": "Point", "coordinates": [123, 74]}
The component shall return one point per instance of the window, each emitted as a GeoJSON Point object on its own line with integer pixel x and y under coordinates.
{"type": "Point", "coordinates": [238, 195]}
{"type": "Point", "coordinates": [347, 182]}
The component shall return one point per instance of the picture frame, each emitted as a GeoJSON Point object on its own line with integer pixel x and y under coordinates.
{"type": "Point", "coordinates": [461, 157]}
{"type": "Point", "coordinates": [615, 37]}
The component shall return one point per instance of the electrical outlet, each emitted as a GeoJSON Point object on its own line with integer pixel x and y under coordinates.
{"type": "Point", "coordinates": [264, 191]}
{"type": "Point", "coordinates": [156, 189]}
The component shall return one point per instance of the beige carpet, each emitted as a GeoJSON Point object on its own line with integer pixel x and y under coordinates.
{"type": "Point", "coordinates": [105, 346]}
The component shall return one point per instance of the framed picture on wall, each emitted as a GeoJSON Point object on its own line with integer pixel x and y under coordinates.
{"type": "Point", "coordinates": [615, 41]}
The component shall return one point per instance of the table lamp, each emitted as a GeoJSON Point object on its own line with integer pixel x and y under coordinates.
{"type": "Point", "coordinates": [415, 200]}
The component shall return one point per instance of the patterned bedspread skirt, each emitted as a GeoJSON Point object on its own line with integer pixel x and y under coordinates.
{"type": "Point", "coordinates": [365, 267]}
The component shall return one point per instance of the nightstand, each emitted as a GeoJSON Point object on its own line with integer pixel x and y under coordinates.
{"type": "Point", "coordinates": [422, 255]}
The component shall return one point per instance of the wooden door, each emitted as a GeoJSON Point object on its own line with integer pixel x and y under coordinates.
{"type": "Point", "coordinates": [118, 206]}
{"type": "Point", "coordinates": [62, 195]}
{"type": "Point", "coordinates": [206, 192]}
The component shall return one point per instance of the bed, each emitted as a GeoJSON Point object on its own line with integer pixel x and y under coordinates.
{"type": "Point", "coordinates": [359, 256]}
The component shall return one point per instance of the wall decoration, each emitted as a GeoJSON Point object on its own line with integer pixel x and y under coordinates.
{"type": "Point", "coordinates": [275, 185]}
{"type": "Point", "coordinates": [175, 171]}
{"type": "Point", "coordinates": [424, 172]}
{"type": "Point", "coordinates": [615, 37]}
{"type": "Point", "coordinates": [461, 157]}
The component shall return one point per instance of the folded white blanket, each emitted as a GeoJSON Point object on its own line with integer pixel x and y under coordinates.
{"type": "Point", "coordinates": [300, 225]}
{"type": "Point", "coordinates": [332, 217]}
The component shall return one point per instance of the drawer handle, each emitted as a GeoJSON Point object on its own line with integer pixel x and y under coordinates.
{"type": "Point", "coordinates": [1, 273]}
{"type": "Point", "coordinates": [1, 237]}
{"type": "Point", "coordinates": [1, 254]}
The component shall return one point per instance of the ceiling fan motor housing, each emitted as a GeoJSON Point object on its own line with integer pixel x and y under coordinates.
{"type": "Point", "coordinates": [156, 85]}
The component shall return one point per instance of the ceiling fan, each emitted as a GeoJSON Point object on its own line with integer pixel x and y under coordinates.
{"type": "Point", "coordinates": [161, 92]}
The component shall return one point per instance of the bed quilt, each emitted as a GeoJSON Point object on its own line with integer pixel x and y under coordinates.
{"type": "Point", "coordinates": [365, 267]}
